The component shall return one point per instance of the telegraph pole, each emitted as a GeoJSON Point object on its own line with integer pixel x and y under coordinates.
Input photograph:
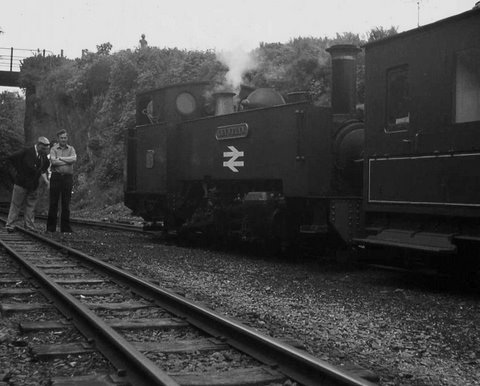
{"type": "Point", "coordinates": [418, 13]}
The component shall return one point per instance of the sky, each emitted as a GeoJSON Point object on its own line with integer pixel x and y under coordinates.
{"type": "Point", "coordinates": [73, 25]}
{"type": "Point", "coordinates": [220, 25]}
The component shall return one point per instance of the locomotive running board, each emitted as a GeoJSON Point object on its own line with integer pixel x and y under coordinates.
{"type": "Point", "coordinates": [421, 241]}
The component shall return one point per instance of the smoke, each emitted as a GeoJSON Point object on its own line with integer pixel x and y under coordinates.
{"type": "Point", "coordinates": [238, 63]}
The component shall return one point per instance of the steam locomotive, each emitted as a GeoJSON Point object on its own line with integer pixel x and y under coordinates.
{"type": "Point", "coordinates": [264, 168]}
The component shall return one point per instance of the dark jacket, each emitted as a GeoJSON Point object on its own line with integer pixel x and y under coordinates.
{"type": "Point", "coordinates": [29, 167]}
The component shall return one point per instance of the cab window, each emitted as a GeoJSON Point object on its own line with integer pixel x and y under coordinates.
{"type": "Point", "coordinates": [467, 86]}
{"type": "Point", "coordinates": [398, 114]}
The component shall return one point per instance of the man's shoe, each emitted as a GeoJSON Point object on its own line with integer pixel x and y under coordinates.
{"type": "Point", "coordinates": [10, 229]}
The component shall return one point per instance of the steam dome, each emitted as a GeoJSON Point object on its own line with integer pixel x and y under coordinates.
{"type": "Point", "coordinates": [264, 97]}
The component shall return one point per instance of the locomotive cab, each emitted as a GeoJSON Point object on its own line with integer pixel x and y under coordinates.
{"type": "Point", "coordinates": [151, 147]}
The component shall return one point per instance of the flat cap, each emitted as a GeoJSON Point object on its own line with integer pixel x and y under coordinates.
{"type": "Point", "coordinates": [43, 140]}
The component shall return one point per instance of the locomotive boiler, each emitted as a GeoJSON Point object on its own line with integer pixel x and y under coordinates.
{"type": "Point", "coordinates": [268, 168]}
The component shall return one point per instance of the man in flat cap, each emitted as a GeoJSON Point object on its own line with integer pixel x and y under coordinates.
{"type": "Point", "coordinates": [31, 165]}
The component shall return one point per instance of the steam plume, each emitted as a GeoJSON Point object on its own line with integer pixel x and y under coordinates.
{"type": "Point", "coordinates": [238, 63]}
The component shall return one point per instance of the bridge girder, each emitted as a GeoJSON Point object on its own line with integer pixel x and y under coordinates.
{"type": "Point", "coordinates": [9, 78]}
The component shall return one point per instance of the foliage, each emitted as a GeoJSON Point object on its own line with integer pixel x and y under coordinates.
{"type": "Point", "coordinates": [12, 111]}
{"type": "Point", "coordinates": [302, 64]}
{"type": "Point", "coordinates": [93, 98]}
{"type": "Point", "coordinates": [104, 49]}
{"type": "Point", "coordinates": [35, 68]}
{"type": "Point", "coordinates": [378, 33]}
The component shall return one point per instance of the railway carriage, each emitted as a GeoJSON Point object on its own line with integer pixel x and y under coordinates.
{"type": "Point", "coordinates": [422, 138]}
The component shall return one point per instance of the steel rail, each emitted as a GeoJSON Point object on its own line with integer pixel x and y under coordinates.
{"type": "Point", "coordinates": [296, 364]}
{"type": "Point", "coordinates": [92, 223]}
{"type": "Point", "coordinates": [108, 225]}
{"type": "Point", "coordinates": [137, 368]}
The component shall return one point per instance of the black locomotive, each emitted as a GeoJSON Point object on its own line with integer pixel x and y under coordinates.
{"type": "Point", "coordinates": [271, 169]}
{"type": "Point", "coordinates": [262, 169]}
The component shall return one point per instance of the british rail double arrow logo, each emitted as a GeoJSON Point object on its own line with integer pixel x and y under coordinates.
{"type": "Point", "coordinates": [232, 163]}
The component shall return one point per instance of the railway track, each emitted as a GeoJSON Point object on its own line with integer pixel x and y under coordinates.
{"type": "Point", "coordinates": [124, 226]}
{"type": "Point", "coordinates": [138, 333]}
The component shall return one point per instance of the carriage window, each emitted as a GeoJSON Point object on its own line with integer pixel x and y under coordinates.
{"type": "Point", "coordinates": [398, 114]}
{"type": "Point", "coordinates": [467, 86]}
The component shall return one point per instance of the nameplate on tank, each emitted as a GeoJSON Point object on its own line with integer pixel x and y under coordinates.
{"type": "Point", "coordinates": [239, 130]}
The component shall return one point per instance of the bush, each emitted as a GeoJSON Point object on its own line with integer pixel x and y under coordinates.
{"type": "Point", "coordinates": [12, 110]}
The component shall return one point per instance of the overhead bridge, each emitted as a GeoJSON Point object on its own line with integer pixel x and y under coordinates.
{"type": "Point", "coordinates": [9, 78]}
{"type": "Point", "coordinates": [10, 62]}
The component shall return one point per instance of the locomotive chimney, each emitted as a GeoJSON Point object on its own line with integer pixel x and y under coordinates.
{"type": "Point", "coordinates": [344, 79]}
{"type": "Point", "coordinates": [224, 102]}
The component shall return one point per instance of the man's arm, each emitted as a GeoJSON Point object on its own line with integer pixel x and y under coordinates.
{"type": "Point", "coordinates": [71, 159]}
{"type": "Point", "coordinates": [45, 179]}
{"type": "Point", "coordinates": [45, 165]}
{"type": "Point", "coordinates": [54, 160]}
{"type": "Point", "coordinates": [57, 162]}
{"type": "Point", "coordinates": [16, 158]}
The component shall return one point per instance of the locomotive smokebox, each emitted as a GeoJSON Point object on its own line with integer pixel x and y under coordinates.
{"type": "Point", "coordinates": [344, 79]}
{"type": "Point", "coordinates": [224, 102]}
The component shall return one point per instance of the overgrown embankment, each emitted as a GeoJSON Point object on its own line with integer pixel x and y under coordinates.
{"type": "Point", "coordinates": [93, 98]}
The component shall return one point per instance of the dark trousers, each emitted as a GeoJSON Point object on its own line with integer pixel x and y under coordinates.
{"type": "Point", "coordinates": [60, 187]}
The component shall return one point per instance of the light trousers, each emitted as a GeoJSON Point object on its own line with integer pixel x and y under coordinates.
{"type": "Point", "coordinates": [22, 197]}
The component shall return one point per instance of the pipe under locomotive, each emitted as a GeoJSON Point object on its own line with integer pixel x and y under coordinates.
{"type": "Point", "coordinates": [259, 169]}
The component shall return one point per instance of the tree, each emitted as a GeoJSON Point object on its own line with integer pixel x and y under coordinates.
{"type": "Point", "coordinates": [12, 110]}
{"type": "Point", "coordinates": [378, 33]}
{"type": "Point", "coordinates": [104, 49]}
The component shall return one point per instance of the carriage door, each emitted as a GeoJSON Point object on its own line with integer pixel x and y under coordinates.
{"type": "Point", "coordinates": [397, 115]}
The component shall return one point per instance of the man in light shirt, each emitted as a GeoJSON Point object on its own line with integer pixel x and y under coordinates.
{"type": "Point", "coordinates": [62, 158]}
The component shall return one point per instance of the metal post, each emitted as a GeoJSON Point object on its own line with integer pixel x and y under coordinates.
{"type": "Point", "coordinates": [418, 13]}
{"type": "Point", "coordinates": [11, 59]}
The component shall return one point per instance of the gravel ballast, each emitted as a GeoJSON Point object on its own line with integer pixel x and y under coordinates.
{"type": "Point", "coordinates": [408, 329]}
